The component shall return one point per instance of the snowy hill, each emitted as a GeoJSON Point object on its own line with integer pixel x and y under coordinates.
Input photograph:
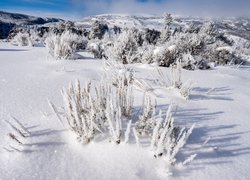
{"type": "Point", "coordinates": [235, 26]}
{"type": "Point", "coordinates": [15, 18]}
{"type": "Point", "coordinates": [9, 20]}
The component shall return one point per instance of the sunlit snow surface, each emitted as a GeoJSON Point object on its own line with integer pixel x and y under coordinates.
{"type": "Point", "coordinates": [219, 105]}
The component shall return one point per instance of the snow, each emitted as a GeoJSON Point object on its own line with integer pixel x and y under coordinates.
{"type": "Point", "coordinates": [226, 48]}
{"type": "Point", "coordinates": [172, 48]}
{"type": "Point", "coordinates": [219, 105]}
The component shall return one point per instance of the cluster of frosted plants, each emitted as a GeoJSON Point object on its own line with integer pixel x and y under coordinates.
{"type": "Point", "coordinates": [172, 80]}
{"type": "Point", "coordinates": [62, 46]}
{"type": "Point", "coordinates": [22, 39]}
{"type": "Point", "coordinates": [105, 111]}
{"type": "Point", "coordinates": [98, 109]}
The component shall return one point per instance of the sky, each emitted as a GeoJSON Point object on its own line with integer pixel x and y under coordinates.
{"type": "Point", "coordinates": [76, 9]}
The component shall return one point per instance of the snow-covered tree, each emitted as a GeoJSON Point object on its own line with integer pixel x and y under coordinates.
{"type": "Point", "coordinates": [168, 19]}
{"type": "Point", "coordinates": [166, 32]}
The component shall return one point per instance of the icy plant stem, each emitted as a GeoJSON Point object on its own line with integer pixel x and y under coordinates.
{"type": "Point", "coordinates": [136, 137]}
{"type": "Point", "coordinates": [127, 133]}
{"type": "Point", "coordinates": [21, 126]}
{"type": "Point", "coordinates": [54, 109]}
{"type": "Point", "coordinates": [155, 134]}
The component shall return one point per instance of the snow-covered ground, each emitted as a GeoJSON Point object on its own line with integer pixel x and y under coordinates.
{"type": "Point", "coordinates": [219, 105]}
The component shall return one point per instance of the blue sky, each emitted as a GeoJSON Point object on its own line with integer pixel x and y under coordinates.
{"type": "Point", "coordinates": [71, 9]}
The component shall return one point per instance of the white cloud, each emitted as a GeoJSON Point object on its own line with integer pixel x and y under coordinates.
{"type": "Point", "coordinates": [182, 7]}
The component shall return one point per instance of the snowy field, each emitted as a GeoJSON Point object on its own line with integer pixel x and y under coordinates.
{"type": "Point", "coordinates": [219, 105]}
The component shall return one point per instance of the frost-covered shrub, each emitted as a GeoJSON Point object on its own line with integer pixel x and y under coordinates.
{"type": "Point", "coordinates": [96, 109]}
{"type": "Point", "coordinates": [209, 32]}
{"type": "Point", "coordinates": [62, 46]}
{"type": "Point", "coordinates": [151, 36]}
{"type": "Point", "coordinates": [174, 80]}
{"type": "Point", "coordinates": [37, 38]}
{"type": "Point", "coordinates": [168, 139]}
{"type": "Point", "coordinates": [118, 73]}
{"type": "Point", "coordinates": [96, 49]}
{"type": "Point", "coordinates": [122, 79]}
{"type": "Point", "coordinates": [241, 48]}
{"type": "Point", "coordinates": [146, 53]}
{"type": "Point", "coordinates": [146, 123]}
{"type": "Point", "coordinates": [202, 64]}
{"type": "Point", "coordinates": [192, 62]}
{"type": "Point", "coordinates": [193, 28]}
{"type": "Point", "coordinates": [42, 31]}
{"type": "Point", "coordinates": [176, 76]}
{"type": "Point", "coordinates": [100, 111]}
{"type": "Point", "coordinates": [102, 48]}
{"type": "Point", "coordinates": [125, 47]}
{"type": "Point", "coordinates": [117, 30]}
{"type": "Point", "coordinates": [188, 61]}
{"type": "Point", "coordinates": [188, 43]}
{"type": "Point", "coordinates": [195, 47]}
{"type": "Point", "coordinates": [177, 47]}
{"type": "Point", "coordinates": [221, 37]}
{"type": "Point", "coordinates": [93, 110]}
{"type": "Point", "coordinates": [225, 55]}
{"type": "Point", "coordinates": [22, 39]}
{"type": "Point", "coordinates": [84, 113]}
{"type": "Point", "coordinates": [166, 55]}
{"type": "Point", "coordinates": [98, 30]}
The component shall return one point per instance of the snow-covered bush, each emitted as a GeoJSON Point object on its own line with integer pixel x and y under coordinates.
{"type": "Point", "coordinates": [168, 139]}
{"type": "Point", "coordinates": [209, 32]}
{"type": "Point", "coordinates": [116, 29]}
{"type": "Point", "coordinates": [103, 48]}
{"type": "Point", "coordinates": [146, 122]}
{"type": "Point", "coordinates": [96, 49]}
{"type": "Point", "coordinates": [98, 30]}
{"type": "Point", "coordinates": [151, 36]}
{"type": "Point", "coordinates": [85, 114]}
{"type": "Point", "coordinates": [125, 47]}
{"type": "Point", "coordinates": [147, 53]}
{"type": "Point", "coordinates": [192, 28]}
{"type": "Point", "coordinates": [97, 109]}
{"type": "Point", "coordinates": [176, 76]}
{"type": "Point", "coordinates": [174, 80]}
{"type": "Point", "coordinates": [38, 36]}
{"type": "Point", "coordinates": [22, 39]}
{"type": "Point", "coordinates": [223, 55]}
{"type": "Point", "coordinates": [102, 111]}
{"type": "Point", "coordinates": [177, 47]}
{"type": "Point", "coordinates": [122, 78]}
{"type": "Point", "coordinates": [62, 46]}
{"type": "Point", "coordinates": [196, 47]}
{"type": "Point", "coordinates": [166, 55]}
{"type": "Point", "coordinates": [188, 61]}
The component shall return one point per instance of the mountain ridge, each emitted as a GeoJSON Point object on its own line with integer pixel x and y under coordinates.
{"type": "Point", "coordinates": [8, 20]}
